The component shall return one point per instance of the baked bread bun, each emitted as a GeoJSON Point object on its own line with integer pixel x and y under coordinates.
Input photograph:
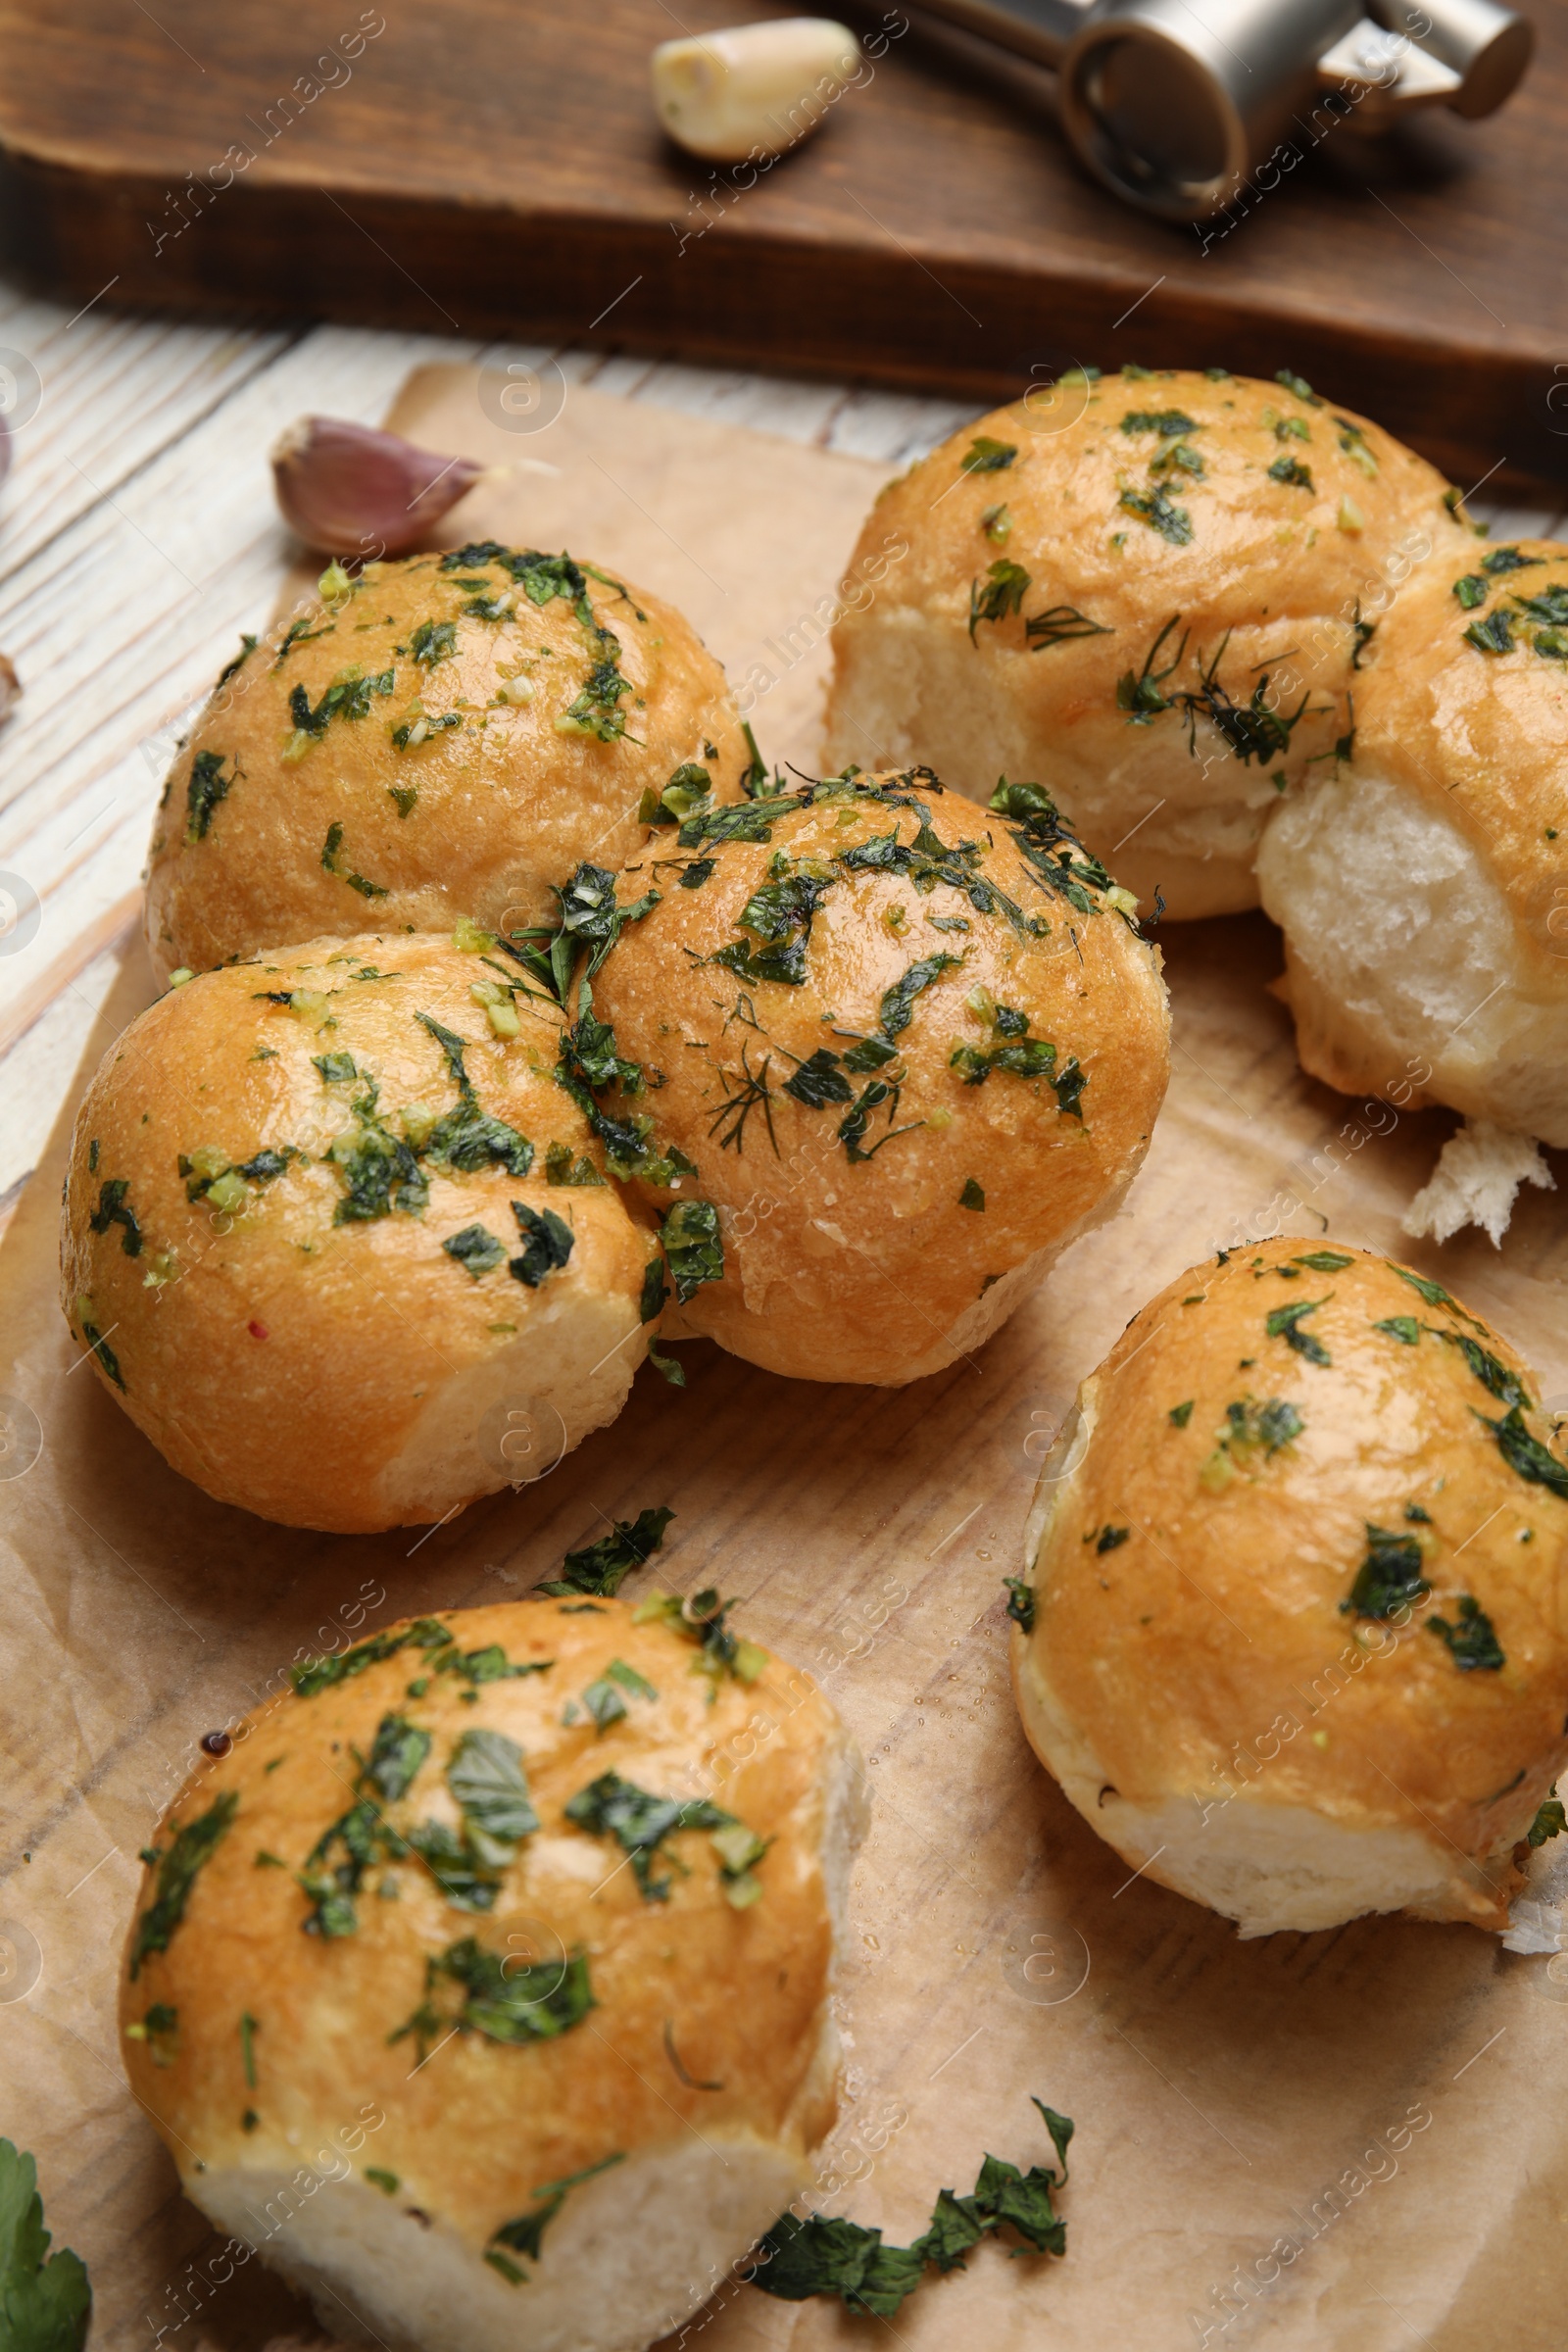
{"type": "Point", "coordinates": [914, 1049]}
{"type": "Point", "coordinates": [442, 736]}
{"type": "Point", "coordinates": [346, 1255]}
{"type": "Point", "coordinates": [1147, 591]}
{"type": "Point", "coordinates": [484, 1986]}
{"type": "Point", "coordinates": [1297, 1638]}
{"type": "Point", "coordinates": [1422, 885]}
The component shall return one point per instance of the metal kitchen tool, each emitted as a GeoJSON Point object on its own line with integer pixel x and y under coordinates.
{"type": "Point", "coordinates": [1175, 104]}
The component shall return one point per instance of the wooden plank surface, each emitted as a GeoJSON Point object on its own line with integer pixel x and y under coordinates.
{"type": "Point", "coordinates": [493, 167]}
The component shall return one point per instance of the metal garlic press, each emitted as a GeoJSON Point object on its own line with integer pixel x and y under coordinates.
{"type": "Point", "coordinates": [1181, 106]}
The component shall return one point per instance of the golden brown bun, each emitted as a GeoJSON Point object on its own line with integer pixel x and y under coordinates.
{"type": "Point", "coordinates": [321, 1367]}
{"type": "Point", "coordinates": [874, 1270]}
{"type": "Point", "coordinates": [1268, 587]}
{"type": "Point", "coordinates": [1194, 1677]}
{"type": "Point", "coordinates": [375, 2167]}
{"type": "Point", "coordinates": [297, 834]}
{"type": "Point", "coordinates": [1423, 887]}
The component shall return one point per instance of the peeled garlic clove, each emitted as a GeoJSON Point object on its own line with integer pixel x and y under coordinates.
{"type": "Point", "coordinates": [756, 90]}
{"type": "Point", "coordinates": [350, 490]}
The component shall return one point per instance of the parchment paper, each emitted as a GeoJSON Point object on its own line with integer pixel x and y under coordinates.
{"type": "Point", "coordinates": [1354, 2138]}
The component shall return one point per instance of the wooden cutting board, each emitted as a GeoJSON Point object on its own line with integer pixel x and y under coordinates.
{"type": "Point", "coordinates": [494, 166]}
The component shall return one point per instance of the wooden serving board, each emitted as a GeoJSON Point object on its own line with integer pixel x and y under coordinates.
{"type": "Point", "coordinates": [494, 166]}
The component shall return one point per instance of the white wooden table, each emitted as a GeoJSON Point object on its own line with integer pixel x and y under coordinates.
{"type": "Point", "coordinates": [138, 537]}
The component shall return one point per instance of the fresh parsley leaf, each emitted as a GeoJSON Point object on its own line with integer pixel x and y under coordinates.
{"type": "Point", "coordinates": [1404, 1327]}
{"type": "Point", "coordinates": [208, 786]}
{"type": "Point", "coordinates": [818, 1081]}
{"type": "Point", "coordinates": [45, 2300]}
{"type": "Point", "coordinates": [192, 1846]}
{"type": "Point", "coordinates": [1005, 586]}
{"type": "Point", "coordinates": [1500, 559]}
{"type": "Point", "coordinates": [1323, 1261]}
{"type": "Point", "coordinates": [1169, 423]}
{"type": "Point", "coordinates": [1493, 635]}
{"type": "Point", "coordinates": [602, 1568]}
{"type": "Point", "coordinates": [611, 1807]}
{"type": "Point", "coordinates": [694, 1248]}
{"type": "Point", "coordinates": [702, 1619]}
{"type": "Point", "coordinates": [1391, 1577]}
{"type": "Point", "coordinates": [115, 1210]}
{"type": "Point", "coordinates": [1285, 1323]}
{"type": "Point", "coordinates": [1291, 470]}
{"type": "Point", "coordinates": [525, 2234]}
{"type": "Point", "coordinates": [502, 2001]}
{"type": "Point", "coordinates": [898, 1001]}
{"type": "Point", "coordinates": [486, 1777]}
{"type": "Point", "coordinates": [1471, 591]}
{"type": "Point", "coordinates": [1550, 1822]}
{"type": "Point", "coordinates": [987, 456]}
{"type": "Point", "coordinates": [475, 1248]}
{"type": "Point", "coordinates": [1527, 1455]}
{"type": "Point", "coordinates": [1472, 1642]}
{"type": "Point", "coordinates": [546, 1244]}
{"type": "Point", "coordinates": [1020, 1601]}
{"type": "Point", "coordinates": [1157, 509]}
{"type": "Point", "coordinates": [1504, 1385]}
{"type": "Point", "coordinates": [399, 1750]}
{"type": "Point", "coordinates": [1180, 1414]}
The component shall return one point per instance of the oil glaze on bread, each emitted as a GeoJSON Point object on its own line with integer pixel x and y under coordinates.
{"type": "Point", "coordinates": [441, 736]}
{"type": "Point", "coordinates": [442, 2002]}
{"type": "Point", "coordinates": [1298, 1643]}
{"type": "Point", "coordinates": [325, 1229]}
{"type": "Point", "coordinates": [1149, 592]}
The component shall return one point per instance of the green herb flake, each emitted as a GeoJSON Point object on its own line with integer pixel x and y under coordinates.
{"type": "Point", "coordinates": [1285, 1323]}
{"type": "Point", "coordinates": [1323, 1261]}
{"type": "Point", "coordinates": [972, 1195]}
{"type": "Point", "coordinates": [192, 1846]}
{"type": "Point", "coordinates": [820, 2256]}
{"type": "Point", "coordinates": [611, 1807]}
{"type": "Point", "coordinates": [546, 1244]}
{"type": "Point", "coordinates": [399, 1750]}
{"type": "Point", "coordinates": [525, 2234]}
{"type": "Point", "coordinates": [486, 1777]}
{"type": "Point", "coordinates": [247, 2046]}
{"type": "Point", "coordinates": [1471, 1642]}
{"type": "Point", "coordinates": [602, 1568]}
{"type": "Point", "coordinates": [1020, 1601]}
{"type": "Point", "coordinates": [114, 1208]}
{"type": "Point", "coordinates": [477, 1248]}
{"type": "Point", "coordinates": [1391, 1577]}
{"type": "Point", "coordinates": [160, 2031]}
{"type": "Point", "coordinates": [1005, 586]}
{"type": "Point", "coordinates": [1157, 511]}
{"type": "Point", "coordinates": [45, 2300]}
{"type": "Point", "coordinates": [1404, 1327]}
{"type": "Point", "coordinates": [1180, 1414]}
{"type": "Point", "coordinates": [1526, 1454]}
{"type": "Point", "coordinates": [1291, 472]}
{"type": "Point", "coordinates": [1493, 635]}
{"type": "Point", "coordinates": [1550, 1822]}
{"type": "Point", "coordinates": [1110, 1539]}
{"type": "Point", "coordinates": [208, 786]}
{"type": "Point", "coordinates": [1471, 591]}
{"type": "Point", "coordinates": [694, 1248]}
{"type": "Point", "coordinates": [379, 2178]}
{"type": "Point", "coordinates": [1169, 423]}
{"type": "Point", "coordinates": [504, 2002]}
{"type": "Point", "coordinates": [986, 456]}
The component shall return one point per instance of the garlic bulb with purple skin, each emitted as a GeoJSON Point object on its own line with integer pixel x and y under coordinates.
{"type": "Point", "coordinates": [349, 490]}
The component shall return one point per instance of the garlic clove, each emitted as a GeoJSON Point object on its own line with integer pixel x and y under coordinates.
{"type": "Point", "coordinates": [754, 90]}
{"type": "Point", "coordinates": [349, 490]}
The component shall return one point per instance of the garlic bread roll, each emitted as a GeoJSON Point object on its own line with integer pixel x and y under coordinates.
{"type": "Point", "coordinates": [484, 1986]}
{"type": "Point", "coordinates": [340, 1246]}
{"type": "Point", "coordinates": [444, 735]}
{"type": "Point", "coordinates": [1150, 592]}
{"type": "Point", "coordinates": [914, 1050]}
{"type": "Point", "coordinates": [1292, 1636]}
{"type": "Point", "coordinates": [1422, 885]}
